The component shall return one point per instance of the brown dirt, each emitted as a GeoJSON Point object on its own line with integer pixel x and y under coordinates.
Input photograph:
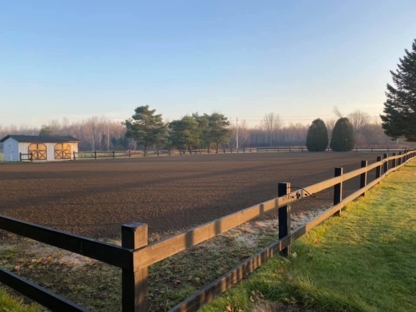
{"type": "Point", "coordinates": [95, 197]}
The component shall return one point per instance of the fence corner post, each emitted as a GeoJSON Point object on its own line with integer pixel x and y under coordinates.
{"type": "Point", "coordinates": [338, 188]}
{"type": "Point", "coordinates": [134, 280]}
{"type": "Point", "coordinates": [284, 216]}
{"type": "Point", "coordinates": [363, 176]}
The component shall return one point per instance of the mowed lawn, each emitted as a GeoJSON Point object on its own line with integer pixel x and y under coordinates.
{"type": "Point", "coordinates": [364, 260]}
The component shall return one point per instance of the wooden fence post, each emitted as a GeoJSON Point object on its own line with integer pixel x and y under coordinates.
{"type": "Point", "coordinates": [169, 152]}
{"type": "Point", "coordinates": [31, 157]}
{"type": "Point", "coordinates": [386, 164]}
{"type": "Point", "coordinates": [157, 152]}
{"type": "Point", "coordinates": [363, 176]}
{"type": "Point", "coordinates": [399, 160]}
{"type": "Point", "coordinates": [20, 157]}
{"type": "Point", "coordinates": [134, 282]}
{"type": "Point", "coordinates": [95, 154]}
{"type": "Point", "coordinates": [393, 162]}
{"type": "Point", "coordinates": [284, 216]}
{"type": "Point", "coordinates": [338, 188]}
{"type": "Point", "coordinates": [378, 168]}
{"type": "Point", "coordinates": [129, 153]}
{"type": "Point", "coordinates": [74, 156]}
{"type": "Point", "coordinates": [114, 154]}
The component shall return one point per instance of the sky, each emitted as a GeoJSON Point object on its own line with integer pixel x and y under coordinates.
{"type": "Point", "coordinates": [76, 59]}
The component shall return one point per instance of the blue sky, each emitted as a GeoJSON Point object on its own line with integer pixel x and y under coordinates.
{"type": "Point", "coordinates": [298, 59]}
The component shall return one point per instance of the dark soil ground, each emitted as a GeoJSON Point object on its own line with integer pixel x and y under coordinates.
{"type": "Point", "coordinates": [95, 197]}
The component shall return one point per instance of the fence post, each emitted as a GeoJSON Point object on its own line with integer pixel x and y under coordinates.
{"type": "Point", "coordinates": [378, 168]}
{"type": "Point", "coordinates": [169, 152]}
{"type": "Point", "coordinates": [399, 160]}
{"type": "Point", "coordinates": [157, 152]}
{"type": "Point", "coordinates": [74, 156]}
{"type": "Point", "coordinates": [393, 162]}
{"type": "Point", "coordinates": [363, 176]}
{"type": "Point", "coordinates": [20, 157]}
{"type": "Point", "coordinates": [386, 164]}
{"type": "Point", "coordinates": [95, 154]}
{"type": "Point", "coordinates": [338, 188]}
{"type": "Point", "coordinates": [134, 282]}
{"type": "Point", "coordinates": [284, 216]}
{"type": "Point", "coordinates": [129, 153]}
{"type": "Point", "coordinates": [114, 154]}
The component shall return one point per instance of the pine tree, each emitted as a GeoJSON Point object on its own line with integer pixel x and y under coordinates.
{"type": "Point", "coordinates": [399, 119]}
{"type": "Point", "coordinates": [146, 128]}
{"type": "Point", "coordinates": [317, 138]}
{"type": "Point", "coordinates": [342, 136]}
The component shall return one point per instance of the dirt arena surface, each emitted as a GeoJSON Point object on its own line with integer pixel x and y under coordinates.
{"type": "Point", "coordinates": [94, 197]}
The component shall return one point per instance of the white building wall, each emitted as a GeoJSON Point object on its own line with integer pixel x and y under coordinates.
{"type": "Point", "coordinates": [50, 148]}
{"type": "Point", "coordinates": [11, 150]}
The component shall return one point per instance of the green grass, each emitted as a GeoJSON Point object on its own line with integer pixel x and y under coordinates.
{"type": "Point", "coordinates": [11, 304]}
{"type": "Point", "coordinates": [364, 260]}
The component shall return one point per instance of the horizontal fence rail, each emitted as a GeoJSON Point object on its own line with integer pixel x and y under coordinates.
{"type": "Point", "coordinates": [229, 150]}
{"type": "Point", "coordinates": [135, 255]}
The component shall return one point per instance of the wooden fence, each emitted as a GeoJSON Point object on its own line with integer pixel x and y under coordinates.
{"type": "Point", "coordinates": [135, 255]}
{"type": "Point", "coordinates": [168, 152]}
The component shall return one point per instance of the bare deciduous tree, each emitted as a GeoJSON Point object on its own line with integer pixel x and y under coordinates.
{"type": "Point", "coordinates": [271, 124]}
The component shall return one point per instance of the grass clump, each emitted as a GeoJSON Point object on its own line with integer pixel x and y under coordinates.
{"type": "Point", "coordinates": [361, 261]}
{"type": "Point", "coordinates": [9, 303]}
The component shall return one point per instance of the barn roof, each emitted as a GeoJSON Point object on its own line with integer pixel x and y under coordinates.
{"type": "Point", "coordinates": [40, 139]}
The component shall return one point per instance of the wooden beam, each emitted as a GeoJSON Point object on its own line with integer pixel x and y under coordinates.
{"type": "Point", "coordinates": [108, 253]}
{"type": "Point", "coordinates": [38, 293]}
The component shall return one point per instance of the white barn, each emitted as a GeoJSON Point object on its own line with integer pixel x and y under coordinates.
{"type": "Point", "coordinates": [39, 148]}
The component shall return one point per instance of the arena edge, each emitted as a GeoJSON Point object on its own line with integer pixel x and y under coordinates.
{"type": "Point", "coordinates": [135, 255]}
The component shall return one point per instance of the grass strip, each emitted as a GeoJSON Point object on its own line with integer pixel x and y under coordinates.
{"type": "Point", "coordinates": [361, 261]}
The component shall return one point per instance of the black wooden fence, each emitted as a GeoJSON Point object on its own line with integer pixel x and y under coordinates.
{"type": "Point", "coordinates": [134, 256]}
{"type": "Point", "coordinates": [244, 150]}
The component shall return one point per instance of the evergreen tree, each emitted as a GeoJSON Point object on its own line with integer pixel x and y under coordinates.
{"type": "Point", "coordinates": [146, 128]}
{"type": "Point", "coordinates": [317, 137]}
{"type": "Point", "coordinates": [342, 136]}
{"type": "Point", "coordinates": [45, 131]}
{"type": "Point", "coordinates": [185, 133]}
{"type": "Point", "coordinates": [218, 129]}
{"type": "Point", "coordinates": [399, 119]}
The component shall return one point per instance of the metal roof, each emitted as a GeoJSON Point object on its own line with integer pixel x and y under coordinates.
{"type": "Point", "coordinates": [40, 139]}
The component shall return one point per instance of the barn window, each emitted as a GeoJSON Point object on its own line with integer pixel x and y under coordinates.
{"type": "Point", "coordinates": [62, 151]}
{"type": "Point", "coordinates": [38, 151]}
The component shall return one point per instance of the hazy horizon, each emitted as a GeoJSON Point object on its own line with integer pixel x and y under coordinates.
{"type": "Point", "coordinates": [241, 58]}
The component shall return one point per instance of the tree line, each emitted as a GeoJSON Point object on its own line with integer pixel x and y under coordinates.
{"type": "Point", "coordinates": [204, 131]}
{"type": "Point", "coordinates": [146, 129]}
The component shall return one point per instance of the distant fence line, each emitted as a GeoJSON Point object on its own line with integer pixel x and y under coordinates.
{"type": "Point", "coordinates": [168, 152]}
{"type": "Point", "coordinates": [135, 255]}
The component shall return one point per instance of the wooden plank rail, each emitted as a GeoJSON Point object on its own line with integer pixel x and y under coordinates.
{"type": "Point", "coordinates": [37, 293]}
{"type": "Point", "coordinates": [158, 251]}
{"type": "Point", "coordinates": [228, 280]}
{"type": "Point", "coordinates": [135, 256]}
{"type": "Point", "coordinates": [105, 252]}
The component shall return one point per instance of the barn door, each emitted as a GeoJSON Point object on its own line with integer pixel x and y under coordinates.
{"type": "Point", "coordinates": [62, 151]}
{"type": "Point", "coordinates": [38, 151]}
